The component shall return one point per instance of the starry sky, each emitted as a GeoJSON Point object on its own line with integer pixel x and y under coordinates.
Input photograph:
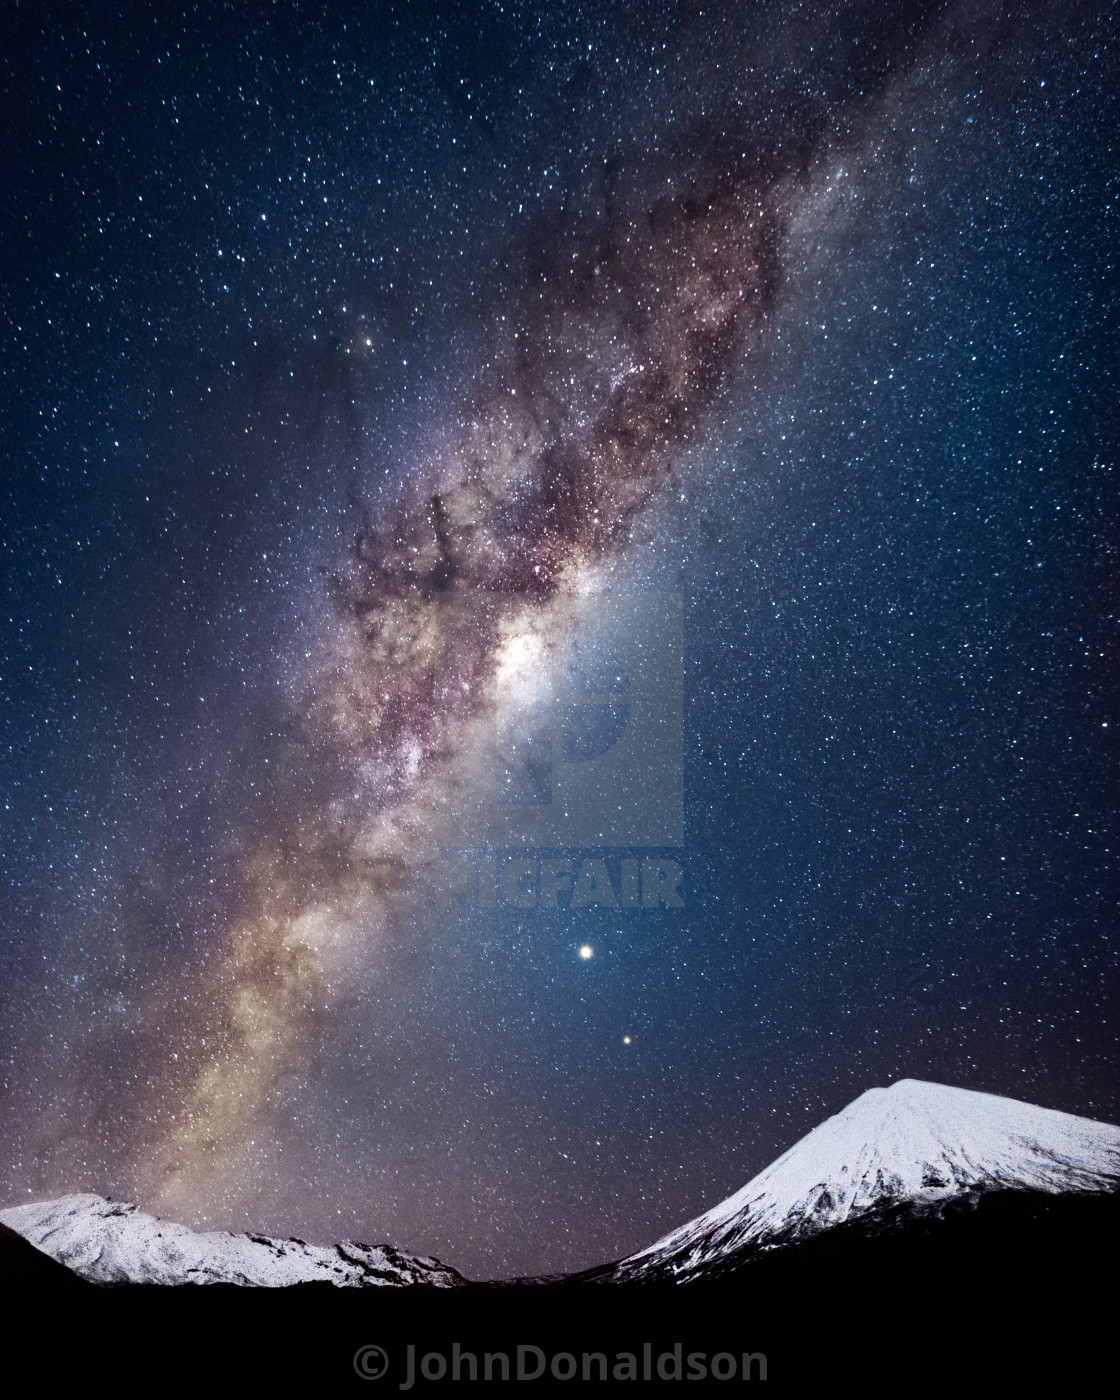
{"type": "Point", "coordinates": [346, 350]}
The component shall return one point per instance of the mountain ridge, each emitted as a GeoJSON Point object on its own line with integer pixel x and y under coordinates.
{"type": "Point", "coordinates": [111, 1242]}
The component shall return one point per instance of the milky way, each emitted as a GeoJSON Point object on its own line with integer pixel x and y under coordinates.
{"type": "Point", "coordinates": [600, 376]}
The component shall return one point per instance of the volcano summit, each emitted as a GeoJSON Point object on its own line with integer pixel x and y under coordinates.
{"type": "Point", "coordinates": [910, 1151]}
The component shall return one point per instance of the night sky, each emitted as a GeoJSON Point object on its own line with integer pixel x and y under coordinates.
{"type": "Point", "coordinates": [320, 316]}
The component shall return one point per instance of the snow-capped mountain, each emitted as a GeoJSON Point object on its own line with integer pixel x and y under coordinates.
{"type": "Point", "coordinates": [913, 1151]}
{"type": "Point", "coordinates": [918, 1144]}
{"type": "Point", "coordinates": [110, 1242]}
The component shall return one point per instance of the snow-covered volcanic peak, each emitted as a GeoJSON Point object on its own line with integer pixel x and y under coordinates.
{"type": "Point", "coordinates": [914, 1142]}
{"type": "Point", "coordinates": [109, 1242]}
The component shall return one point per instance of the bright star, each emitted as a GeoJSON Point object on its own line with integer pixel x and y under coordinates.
{"type": "Point", "coordinates": [586, 951]}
